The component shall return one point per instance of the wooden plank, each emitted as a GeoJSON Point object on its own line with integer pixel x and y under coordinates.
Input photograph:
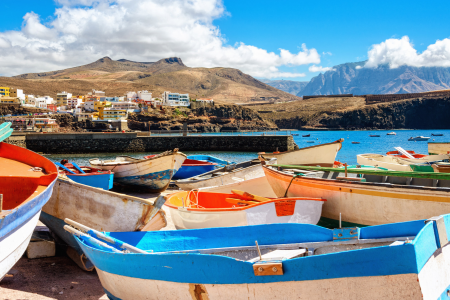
{"type": "Point", "coordinates": [268, 269]}
{"type": "Point", "coordinates": [409, 174]}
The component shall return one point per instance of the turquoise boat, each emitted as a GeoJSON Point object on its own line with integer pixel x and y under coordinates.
{"type": "Point", "coordinates": [407, 260]}
{"type": "Point", "coordinates": [87, 175]}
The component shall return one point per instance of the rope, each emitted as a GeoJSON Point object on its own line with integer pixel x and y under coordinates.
{"type": "Point", "coordinates": [295, 176]}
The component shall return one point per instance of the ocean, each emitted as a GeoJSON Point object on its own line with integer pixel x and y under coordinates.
{"type": "Point", "coordinates": [347, 154]}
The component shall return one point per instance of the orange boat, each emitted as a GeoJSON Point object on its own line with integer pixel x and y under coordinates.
{"type": "Point", "coordinates": [26, 184]}
{"type": "Point", "coordinates": [199, 209]}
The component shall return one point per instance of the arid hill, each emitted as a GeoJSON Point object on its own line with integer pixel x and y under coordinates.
{"type": "Point", "coordinates": [115, 77]}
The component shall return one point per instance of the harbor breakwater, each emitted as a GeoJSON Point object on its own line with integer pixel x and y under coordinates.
{"type": "Point", "coordinates": [78, 143]}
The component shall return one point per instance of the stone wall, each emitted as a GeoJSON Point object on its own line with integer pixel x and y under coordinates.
{"type": "Point", "coordinates": [130, 142]}
{"type": "Point", "coordinates": [17, 140]}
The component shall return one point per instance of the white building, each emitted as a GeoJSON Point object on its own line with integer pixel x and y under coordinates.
{"type": "Point", "coordinates": [98, 93]}
{"type": "Point", "coordinates": [175, 99]}
{"type": "Point", "coordinates": [205, 100]}
{"type": "Point", "coordinates": [42, 102]}
{"type": "Point", "coordinates": [74, 102]}
{"type": "Point", "coordinates": [124, 105]}
{"type": "Point", "coordinates": [144, 95]}
{"type": "Point", "coordinates": [132, 96]}
{"type": "Point", "coordinates": [89, 105]}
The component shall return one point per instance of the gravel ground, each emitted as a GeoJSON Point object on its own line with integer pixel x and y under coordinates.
{"type": "Point", "coordinates": [57, 277]}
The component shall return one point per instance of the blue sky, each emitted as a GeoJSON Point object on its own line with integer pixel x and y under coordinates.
{"type": "Point", "coordinates": [340, 32]}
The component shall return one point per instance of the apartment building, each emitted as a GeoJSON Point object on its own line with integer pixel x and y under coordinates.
{"type": "Point", "coordinates": [61, 98]}
{"type": "Point", "coordinates": [4, 91]}
{"type": "Point", "coordinates": [175, 99]}
{"type": "Point", "coordinates": [107, 113]}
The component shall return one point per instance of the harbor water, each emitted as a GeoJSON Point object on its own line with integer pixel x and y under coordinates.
{"type": "Point", "coordinates": [347, 154]}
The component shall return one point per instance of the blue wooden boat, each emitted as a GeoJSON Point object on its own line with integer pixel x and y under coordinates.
{"type": "Point", "coordinates": [407, 260]}
{"type": "Point", "coordinates": [94, 177]}
{"type": "Point", "coordinates": [192, 167]}
{"type": "Point", "coordinates": [212, 159]}
{"type": "Point", "coordinates": [26, 184]}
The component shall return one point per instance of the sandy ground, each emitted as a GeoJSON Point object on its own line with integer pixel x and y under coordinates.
{"type": "Point", "coordinates": [57, 277]}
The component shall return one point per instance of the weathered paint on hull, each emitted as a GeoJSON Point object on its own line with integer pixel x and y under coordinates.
{"type": "Point", "coordinates": [306, 212]}
{"type": "Point", "coordinates": [102, 181]}
{"type": "Point", "coordinates": [360, 203]}
{"type": "Point", "coordinates": [153, 182]}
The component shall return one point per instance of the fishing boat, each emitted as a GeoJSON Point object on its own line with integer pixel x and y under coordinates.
{"type": "Point", "coordinates": [226, 175]}
{"type": "Point", "coordinates": [384, 161]}
{"type": "Point", "coordinates": [310, 142]}
{"type": "Point", "coordinates": [408, 260]}
{"type": "Point", "coordinates": [374, 135]}
{"type": "Point", "coordinates": [356, 143]}
{"type": "Point", "coordinates": [295, 134]}
{"type": "Point", "coordinates": [258, 185]}
{"type": "Point", "coordinates": [87, 175]}
{"type": "Point", "coordinates": [306, 135]}
{"type": "Point", "coordinates": [438, 148]}
{"type": "Point", "coordinates": [153, 174]}
{"type": "Point", "coordinates": [364, 197]}
{"type": "Point", "coordinates": [323, 155]}
{"type": "Point", "coordinates": [391, 133]}
{"type": "Point", "coordinates": [200, 209]}
{"type": "Point", "coordinates": [191, 168]}
{"type": "Point", "coordinates": [418, 138]}
{"type": "Point", "coordinates": [100, 209]}
{"type": "Point", "coordinates": [26, 184]}
{"type": "Point", "coordinates": [441, 168]}
{"type": "Point", "coordinates": [437, 134]}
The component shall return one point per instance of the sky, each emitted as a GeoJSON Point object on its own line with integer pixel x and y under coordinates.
{"type": "Point", "coordinates": [288, 39]}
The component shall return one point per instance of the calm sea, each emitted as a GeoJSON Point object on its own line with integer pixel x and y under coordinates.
{"type": "Point", "coordinates": [348, 153]}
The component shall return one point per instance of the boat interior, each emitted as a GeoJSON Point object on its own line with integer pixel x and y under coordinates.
{"type": "Point", "coordinates": [225, 170]}
{"type": "Point", "coordinates": [377, 179]}
{"type": "Point", "coordinates": [23, 176]}
{"type": "Point", "coordinates": [275, 242]}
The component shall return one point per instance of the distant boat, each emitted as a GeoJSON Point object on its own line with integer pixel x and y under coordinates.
{"type": "Point", "coordinates": [356, 143]}
{"type": "Point", "coordinates": [408, 260]}
{"type": "Point", "coordinates": [26, 184]}
{"type": "Point", "coordinates": [374, 135]}
{"type": "Point", "coordinates": [204, 209]}
{"type": "Point", "coordinates": [437, 134]}
{"type": "Point", "coordinates": [418, 138]}
{"type": "Point", "coordinates": [295, 134]}
{"type": "Point", "coordinates": [87, 175]}
{"type": "Point", "coordinates": [391, 133]}
{"type": "Point", "coordinates": [310, 141]}
{"type": "Point", "coordinates": [306, 135]}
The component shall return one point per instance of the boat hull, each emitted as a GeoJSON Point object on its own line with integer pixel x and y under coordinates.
{"type": "Point", "coordinates": [101, 181]}
{"type": "Point", "coordinates": [417, 269]}
{"type": "Point", "coordinates": [435, 148]}
{"type": "Point", "coordinates": [99, 209]}
{"type": "Point", "coordinates": [152, 174]}
{"type": "Point", "coordinates": [364, 203]}
{"type": "Point", "coordinates": [305, 212]}
{"type": "Point", "coordinates": [251, 172]}
{"type": "Point", "coordinates": [323, 155]}
{"type": "Point", "coordinates": [191, 171]}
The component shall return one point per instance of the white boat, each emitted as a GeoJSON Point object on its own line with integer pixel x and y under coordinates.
{"type": "Point", "coordinates": [391, 133]}
{"type": "Point", "coordinates": [419, 138]}
{"type": "Point", "coordinates": [383, 161]}
{"type": "Point", "coordinates": [259, 186]}
{"type": "Point", "coordinates": [103, 210]}
{"type": "Point", "coordinates": [323, 155]}
{"type": "Point", "coordinates": [153, 173]}
{"type": "Point", "coordinates": [26, 184]}
{"type": "Point", "coordinates": [226, 175]}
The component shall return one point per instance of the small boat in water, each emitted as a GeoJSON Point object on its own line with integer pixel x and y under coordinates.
{"type": "Point", "coordinates": [205, 209]}
{"type": "Point", "coordinates": [295, 134]}
{"type": "Point", "coordinates": [391, 133]}
{"type": "Point", "coordinates": [154, 174]}
{"type": "Point", "coordinates": [374, 135]}
{"type": "Point", "coordinates": [418, 138]}
{"type": "Point", "coordinates": [226, 175]}
{"type": "Point", "coordinates": [26, 184]}
{"type": "Point", "coordinates": [407, 260]}
{"type": "Point", "coordinates": [306, 135]}
{"type": "Point", "coordinates": [380, 196]}
{"type": "Point", "coordinates": [100, 209]}
{"type": "Point", "coordinates": [323, 155]}
{"type": "Point", "coordinates": [210, 159]}
{"type": "Point", "coordinates": [437, 134]}
{"type": "Point", "coordinates": [87, 175]}
{"type": "Point", "coordinates": [356, 143]}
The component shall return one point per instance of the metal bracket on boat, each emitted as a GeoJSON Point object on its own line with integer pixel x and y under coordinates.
{"type": "Point", "coordinates": [342, 234]}
{"type": "Point", "coordinates": [268, 269]}
{"type": "Point", "coordinates": [440, 231]}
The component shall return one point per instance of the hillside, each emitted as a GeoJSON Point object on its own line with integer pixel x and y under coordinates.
{"type": "Point", "coordinates": [353, 78]}
{"type": "Point", "coordinates": [116, 77]}
{"type": "Point", "coordinates": [289, 86]}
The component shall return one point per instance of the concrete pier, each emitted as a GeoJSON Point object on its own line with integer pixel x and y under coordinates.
{"type": "Point", "coordinates": [74, 143]}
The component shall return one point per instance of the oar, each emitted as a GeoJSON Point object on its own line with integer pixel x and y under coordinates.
{"type": "Point", "coordinates": [96, 234]}
{"type": "Point", "coordinates": [240, 201]}
{"type": "Point", "coordinates": [250, 196]}
{"type": "Point", "coordinates": [77, 167]}
{"type": "Point", "coordinates": [5, 134]}
{"type": "Point", "coordinates": [64, 168]}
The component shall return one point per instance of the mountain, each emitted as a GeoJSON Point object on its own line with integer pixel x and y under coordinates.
{"type": "Point", "coordinates": [116, 77]}
{"type": "Point", "coordinates": [353, 78]}
{"type": "Point", "coordinates": [289, 86]}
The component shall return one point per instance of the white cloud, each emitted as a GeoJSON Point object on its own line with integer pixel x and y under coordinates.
{"type": "Point", "coordinates": [83, 31]}
{"type": "Point", "coordinates": [399, 52]}
{"type": "Point", "coordinates": [315, 68]}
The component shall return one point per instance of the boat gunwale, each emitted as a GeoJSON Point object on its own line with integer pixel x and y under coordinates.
{"type": "Point", "coordinates": [340, 141]}
{"type": "Point", "coordinates": [136, 160]}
